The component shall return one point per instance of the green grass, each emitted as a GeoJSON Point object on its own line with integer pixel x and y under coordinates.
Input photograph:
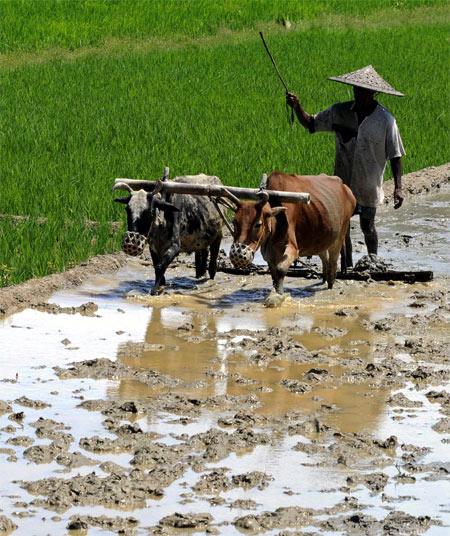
{"type": "Point", "coordinates": [31, 249]}
{"type": "Point", "coordinates": [70, 126]}
{"type": "Point", "coordinates": [40, 24]}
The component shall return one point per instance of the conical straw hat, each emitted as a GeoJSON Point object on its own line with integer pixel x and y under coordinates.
{"type": "Point", "coordinates": [367, 78]}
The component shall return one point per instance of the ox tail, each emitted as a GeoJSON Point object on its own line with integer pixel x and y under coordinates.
{"type": "Point", "coordinates": [343, 258]}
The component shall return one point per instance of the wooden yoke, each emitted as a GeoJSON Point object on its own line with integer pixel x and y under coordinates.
{"type": "Point", "coordinates": [233, 193]}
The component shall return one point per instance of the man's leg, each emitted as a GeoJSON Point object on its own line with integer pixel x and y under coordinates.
{"type": "Point", "coordinates": [367, 222]}
{"type": "Point", "coordinates": [348, 248]}
{"type": "Point", "coordinates": [348, 242]}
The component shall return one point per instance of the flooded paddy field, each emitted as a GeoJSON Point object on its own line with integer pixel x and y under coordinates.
{"type": "Point", "coordinates": [202, 411]}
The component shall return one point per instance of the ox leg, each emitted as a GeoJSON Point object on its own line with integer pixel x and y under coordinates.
{"type": "Point", "coordinates": [345, 262]}
{"type": "Point", "coordinates": [161, 267]}
{"type": "Point", "coordinates": [278, 272]}
{"type": "Point", "coordinates": [213, 254]}
{"type": "Point", "coordinates": [348, 249]}
{"type": "Point", "coordinates": [333, 256]}
{"type": "Point", "coordinates": [158, 275]}
{"type": "Point", "coordinates": [277, 279]}
{"type": "Point", "coordinates": [324, 257]}
{"type": "Point", "coordinates": [201, 261]}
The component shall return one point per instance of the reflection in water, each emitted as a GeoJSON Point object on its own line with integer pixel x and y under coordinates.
{"type": "Point", "coordinates": [199, 345]}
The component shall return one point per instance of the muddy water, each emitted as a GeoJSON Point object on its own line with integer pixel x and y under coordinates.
{"type": "Point", "coordinates": [319, 379]}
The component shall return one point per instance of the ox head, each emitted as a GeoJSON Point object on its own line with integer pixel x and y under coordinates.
{"type": "Point", "coordinates": [141, 207]}
{"type": "Point", "coordinates": [251, 227]}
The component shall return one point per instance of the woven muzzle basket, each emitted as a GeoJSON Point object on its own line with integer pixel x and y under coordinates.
{"type": "Point", "coordinates": [241, 256]}
{"type": "Point", "coordinates": [133, 243]}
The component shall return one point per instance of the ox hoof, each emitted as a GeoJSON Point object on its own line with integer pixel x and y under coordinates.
{"type": "Point", "coordinates": [156, 291]}
{"type": "Point", "coordinates": [274, 299]}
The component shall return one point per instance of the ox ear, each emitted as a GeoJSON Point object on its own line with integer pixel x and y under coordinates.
{"type": "Point", "coordinates": [275, 211]}
{"type": "Point", "coordinates": [124, 200]}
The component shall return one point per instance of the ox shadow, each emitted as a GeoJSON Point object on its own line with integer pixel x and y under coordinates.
{"type": "Point", "coordinates": [177, 285]}
{"type": "Point", "coordinates": [259, 295]}
{"type": "Point", "coordinates": [191, 286]}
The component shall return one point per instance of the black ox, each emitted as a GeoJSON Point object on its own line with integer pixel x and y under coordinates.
{"type": "Point", "coordinates": [173, 224]}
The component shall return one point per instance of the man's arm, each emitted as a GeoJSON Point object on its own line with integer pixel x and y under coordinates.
{"type": "Point", "coordinates": [396, 166]}
{"type": "Point", "coordinates": [304, 118]}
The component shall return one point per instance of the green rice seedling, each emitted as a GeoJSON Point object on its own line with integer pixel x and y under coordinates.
{"type": "Point", "coordinates": [30, 249]}
{"type": "Point", "coordinates": [37, 25]}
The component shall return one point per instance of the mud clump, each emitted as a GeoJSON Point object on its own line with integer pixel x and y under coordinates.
{"type": "Point", "coordinates": [47, 453]}
{"type": "Point", "coordinates": [251, 480]}
{"type": "Point", "coordinates": [28, 403]}
{"type": "Point", "coordinates": [187, 406]}
{"type": "Point", "coordinates": [6, 525]}
{"type": "Point", "coordinates": [403, 401]}
{"type": "Point", "coordinates": [371, 263]}
{"type": "Point", "coordinates": [316, 374]}
{"type": "Point", "coordinates": [158, 454]}
{"type": "Point", "coordinates": [17, 417]}
{"type": "Point", "coordinates": [72, 460]}
{"type": "Point", "coordinates": [217, 481]}
{"type": "Point", "coordinates": [85, 309]}
{"type": "Point", "coordinates": [116, 524]}
{"type": "Point", "coordinates": [217, 444]}
{"type": "Point", "coordinates": [395, 524]}
{"type": "Point", "coordinates": [352, 446]}
{"type": "Point", "coordinates": [295, 386]}
{"type": "Point", "coordinates": [194, 522]}
{"type": "Point", "coordinates": [20, 441]}
{"type": "Point", "coordinates": [292, 516]}
{"type": "Point", "coordinates": [442, 426]}
{"type": "Point", "coordinates": [273, 344]}
{"type": "Point", "coordinates": [213, 482]}
{"type": "Point", "coordinates": [105, 368]}
{"type": "Point", "coordinates": [125, 490]}
{"type": "Point", "coordinates": [375, 482]}
{"type": "Point", "coordinates": [440, 397]}
{"type": "Point", "coordinates": [355, 524]}
{"type": "Point", "coordinates": [401, 523]}
{"type": "Point", "coordinates": [120, 444]}
{"type": "Point", "coordinates": [5, 407]}
{"type": "Point", "coordinates": [330, 333]}
{"type": "Point", "coordinates": [244, 504]}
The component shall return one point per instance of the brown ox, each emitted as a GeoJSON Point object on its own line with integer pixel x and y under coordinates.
{"type": "Point", "coordinates": [291, 230]}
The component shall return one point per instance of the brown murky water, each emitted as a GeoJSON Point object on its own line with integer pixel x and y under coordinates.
{"type": "Point", "coordinates": [311, 358]}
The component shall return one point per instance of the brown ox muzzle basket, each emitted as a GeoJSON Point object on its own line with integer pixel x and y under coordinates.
{"type": "Point", "coordinates": [241, 255]}
{"type": "Point", "coordinates": [133, 243]}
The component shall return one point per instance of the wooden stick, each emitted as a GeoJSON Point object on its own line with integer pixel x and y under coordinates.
{"type": "Point", "coordinates": [214, 190]}
{"type": "Point", "coordinates": [222, 215]}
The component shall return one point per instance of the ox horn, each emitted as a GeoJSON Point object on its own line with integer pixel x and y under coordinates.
{"type": "Point", "coordinates": [263, 194]}
{"type": "Point", "coordinates": [165, 174]}
{"type": "Point", "coordinates": [263, 182]}
{"type": "Point", "coordinates": [122, 186]}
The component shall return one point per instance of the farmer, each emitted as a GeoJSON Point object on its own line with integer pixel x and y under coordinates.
{"type": "Point", "coordinates": [366, 137]}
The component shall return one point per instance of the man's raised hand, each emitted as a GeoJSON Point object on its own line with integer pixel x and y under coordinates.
{"type": "Point", "coordinates": [292, 100]}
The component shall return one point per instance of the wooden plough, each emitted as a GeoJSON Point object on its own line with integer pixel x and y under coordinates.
{"type": "Point", "coordinates": [414, 276]}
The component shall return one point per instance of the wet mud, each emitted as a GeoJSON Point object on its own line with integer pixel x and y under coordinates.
{"type": "Point", "coordinates": [202, 411]}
